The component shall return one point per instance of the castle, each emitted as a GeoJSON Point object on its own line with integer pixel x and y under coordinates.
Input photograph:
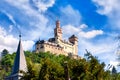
{"type": "Point", "coordinates": [58, 46]}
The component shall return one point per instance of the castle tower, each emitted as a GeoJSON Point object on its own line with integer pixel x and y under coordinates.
{"type": "Point", "coordinates": [74, 40]}
{"type": "Point", "coordinates": [19, 64]}
{"type": "Point", "coordinates": [58, 31]}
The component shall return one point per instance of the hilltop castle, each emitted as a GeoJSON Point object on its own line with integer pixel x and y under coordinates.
{"type": "Point", "coordinates": [58, 46]}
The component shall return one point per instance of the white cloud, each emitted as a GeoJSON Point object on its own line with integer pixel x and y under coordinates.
{"type": "Point", "coordinates": [9, 42]}
{"type": "Point", "coordinates": [70, 15]}
{"type": "Point", "coordinates": [35, 21]}
{"type": "Point", "coordinates": [107, 6]}
{"type": "Point", "coordinates": [2, 31]}
{"type": "Point", "coordinates": [10, 17]}
{"type": "Point", "coordinates": [69, 30]}
{"type": "Point", "coordinates": [83, 26]}
{"type": "Point", "coordinates": [43, 5]}
{"type": "Point", "coordinates": [91, 34]}
{"type": "Point", "coordinates": [36, 24]}
{"type": "Point", "coordinates": [27, 45]}
{"type": "Point", "coordinates": [111, 9]}
{"type": "Point", "coordinates": [114, 63]}
{"type": "Point", "coordinates": [103, 46]}
{"type": "Point", "coordinates": [25, 5]}
{"type": "Point", "coordinates": [10, 28]}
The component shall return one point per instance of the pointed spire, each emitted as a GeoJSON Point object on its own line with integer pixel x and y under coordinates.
{"type": "Point", "coordinates": [19, 63]}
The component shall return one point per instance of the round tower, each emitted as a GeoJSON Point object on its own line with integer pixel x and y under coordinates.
{"type": "Point", "coordinates": [74, 40]}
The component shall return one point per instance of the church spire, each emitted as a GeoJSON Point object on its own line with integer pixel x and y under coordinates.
{"type": "Point", "coordinates": [19, 63]}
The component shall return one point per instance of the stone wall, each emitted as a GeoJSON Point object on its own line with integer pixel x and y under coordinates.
{"type": "Point", "coordinates": [51, 48]}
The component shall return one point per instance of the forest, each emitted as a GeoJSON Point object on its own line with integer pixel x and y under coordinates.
{"type": "Point", "coordinates": [47, 66]}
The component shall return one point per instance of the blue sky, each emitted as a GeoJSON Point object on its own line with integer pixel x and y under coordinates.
{"type": "Point", "coordinates": [94, 22]}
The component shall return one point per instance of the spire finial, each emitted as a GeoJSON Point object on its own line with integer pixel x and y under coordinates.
{"type": "Point", "coordinates": [20, 36]}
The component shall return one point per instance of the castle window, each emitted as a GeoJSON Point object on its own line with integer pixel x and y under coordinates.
{"type": "Point", "coordinates": [41, 46]}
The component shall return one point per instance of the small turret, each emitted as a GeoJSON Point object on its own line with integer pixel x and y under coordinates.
{"type": "Point", "coordinates": [73, 39]}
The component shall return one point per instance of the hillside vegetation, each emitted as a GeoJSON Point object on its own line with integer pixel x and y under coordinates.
{"type": "Point", "coordinates": [47, 66]}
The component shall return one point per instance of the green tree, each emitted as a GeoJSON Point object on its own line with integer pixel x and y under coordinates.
{"type": "Point", "coordinates": [4, 52]}
{"type": "Point", "coordinates": [33, 70]}
{"type": "Point", "coordinates": [51, 71]}
{"type": "Point", "coordinates": [114, 71]}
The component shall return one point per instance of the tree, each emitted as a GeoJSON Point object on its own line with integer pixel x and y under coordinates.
{"type": "Point", "coordinates": [51, 71]}
{"type": "Point", "coordinates": [114, 71]}
{"type": "Point", "coordinates": [96, 69]}
{"type": "Point", "coordinates": [33, 70]}
{"type": "Point", "coordinates": [2, 74]}
{"type": "Point", "coordinates": [4, 52]}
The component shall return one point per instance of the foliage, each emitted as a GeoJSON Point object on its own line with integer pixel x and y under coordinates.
{"type": "Point", "coordinates": [47, 66]}
{"type": "Point", "coordinates": [6, 64]}
{"type": "Point", "coordinates": [51, 71]}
